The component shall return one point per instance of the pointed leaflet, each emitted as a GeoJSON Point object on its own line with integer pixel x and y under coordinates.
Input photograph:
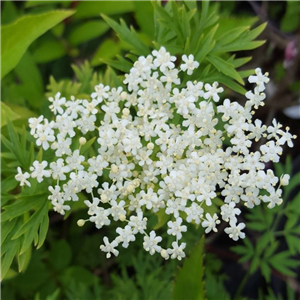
{"type": "Point", "coordinates": [127, 35]}
{"type": "Point", "coordinates": [224, 67]}
{"type": "Point", "coordinates": [18, 36]}
{"type": "Point", "coordinates": [189, 282]}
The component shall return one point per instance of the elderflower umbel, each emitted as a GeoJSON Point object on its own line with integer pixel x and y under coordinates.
{"type": "Point", "coordinates": [145, 162]}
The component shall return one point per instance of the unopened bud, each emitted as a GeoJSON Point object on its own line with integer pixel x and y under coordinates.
{"type": "Point", "coordinates": [164, 254]}
{"type": "Point", "coordinates": [150, 146]}
{"type": "Point", "coordinates": [130, 188]}
{"type": "Point", "coordinates": [82, 141]}
{"type": "Point", "coordinates": [122, 217]}
{"type": "Point", "coordinates": [126, 112]}
{"type": "Point", "coordinates": [104, 198]}
{"type": "Point", "coordinates": [123, 95]}
{"type": "Point", "coordinates": [114, 169]}
{"type": "Point", "coordinates": [80, 222]}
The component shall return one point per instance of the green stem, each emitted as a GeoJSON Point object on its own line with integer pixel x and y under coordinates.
{"type": "Point", "coordinates": [242, 285]}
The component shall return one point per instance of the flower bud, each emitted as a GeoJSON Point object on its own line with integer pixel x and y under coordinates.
{"type": "Point", "coordinates": [150, 146]}
{"type": "Point", "coordinates": [82, 141]}
{"type": "Point", "coordinates": [80, 222]}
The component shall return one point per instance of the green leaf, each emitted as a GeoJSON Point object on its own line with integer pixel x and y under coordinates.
{"type": "Point", "coordinates": [87, 9]}
{"type": "Point", "coordinates": [189, 281]}
{"type": "Point", "coordinates": [144, 16]}
{"type": "Point", "coordinates": [31, 85]}
{"type": "Point", "coordinates": [6, 229]}
{"type": "Point", "coordinates": [8, 257]}
{"type": "Point", "coordinates": [87, 31]}
{"type": "Point", "coordinates": [265, 270]}
{"type": "Point", "coordinates": [107, 50]}
{"type": "Point", "coordinates": [87, 145]}
{"type": "Point", "coordinates": [293, 243]}
{"type": "Point", "coordinates": [224, 67]}
{"type": "Point", "coordinates": [9, 12]}
{"type": "Point", "coordinates": [84, 74]}
{"type": "Point", "coordinates": [49, 50]}
{"type": "Point", "coordinates": [128, 36]}
{"type": "Point", "coordinates": [24, 259]}
{"type": "Point", "coordinates": [30, 228]}
{"type": "Point", "coordinates": [290, 20]}
{"type": "Point", "coordinates": [283, 263]}
{"type": "Point", "coordinates": [42, 3]}
{"type": "Point", "coordinates": [22, 205]}
{"type": "Point", "coordinates": [232, 35]}
{"type": "Point", "coordinates": [7, 113]}
{"type": "Point", "coordinates": [206, 45]}
{"type": "Point", "coordinates": [17, 37]}
{"type": "Point", "coordinates": [162, 219]}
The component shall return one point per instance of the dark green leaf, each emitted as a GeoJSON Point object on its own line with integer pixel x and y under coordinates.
{"type": "Point", "coordinates": [87, 31]}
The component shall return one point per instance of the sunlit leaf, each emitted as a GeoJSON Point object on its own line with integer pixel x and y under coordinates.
{"type": "Point", "coordinates": [16, 37]}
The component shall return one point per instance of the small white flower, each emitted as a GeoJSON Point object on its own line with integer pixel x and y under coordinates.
{"type": "Point", "coordinates": [235, 231]}
{"type": "Point", "coordinates": [212, 91]}
{"type": "Point", "coordinates": [210, 223]}
{"type": "Point", "coordinates": [125, 236]}
{"type": "Point", "coordinates": [259, 79]}
{"type": "Point", "coordinates": [175, 228]}
{"type": "Point", "coordinates": [57, 102]}
{"type": "Point", "coordinates": [177, 251]}
{"type": "Point", "coordinates": [60, 207]}
{"type": "Point", "coordinates": [22, 177]}
{"type": "Point", "coordinates": [138, 223]}
{"type": "Point", "coordinates": [151, 243]}
{"type": "Point", "coordinates": [109, 247]}
{"type": "Point", "coordinates": [38, 170]}
{"type": "Point", "coordinates": [189, 65]}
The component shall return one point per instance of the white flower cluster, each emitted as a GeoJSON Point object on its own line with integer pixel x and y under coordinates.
{"type": "Point", "coordinates": [160, 149]}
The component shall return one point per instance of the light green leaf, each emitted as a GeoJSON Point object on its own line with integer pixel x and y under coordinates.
{"type": "Point", "coordinates": [22, 205]}
{"type": "Point", "coordinates": [224, 67]}
{"type": "Point", "coordinates": [128, 36]}
{"type": "Point", "coordinates": [87, 145]}
{"type": "Point", "coordinates": [162, 219]}
{"type": "Point", "coordinates": [189, 281]}
{"type": "Point", "coordinates": [6, 229]}
{"type": "Point", "coordinates": [107, 50]}
{"type": "Point", "coordinates": [24, 259]}
{"type": "Point", "coordinates": [17, 37]}
{"type": "Point", "coordinates": [206, 45]}
{"type": "Point", "coordinates": [87, 31]}
{"type": "Point", "coordinates": [42, 3]}
{"type": "Point", "coordinates": [43, 230]}
{"type": "Point", "coordinates": [7, 113]}
{"type": "Point", "coordinates": [232, 35]}
{"type": "Point", "coordinates": [8, 257]}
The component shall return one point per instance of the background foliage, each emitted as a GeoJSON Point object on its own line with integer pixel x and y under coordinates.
{"type": "Point", "coordinates": [70, 47]}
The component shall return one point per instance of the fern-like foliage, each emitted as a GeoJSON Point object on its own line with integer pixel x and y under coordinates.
{"type": "Point", "coordinates": [184, 28]}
